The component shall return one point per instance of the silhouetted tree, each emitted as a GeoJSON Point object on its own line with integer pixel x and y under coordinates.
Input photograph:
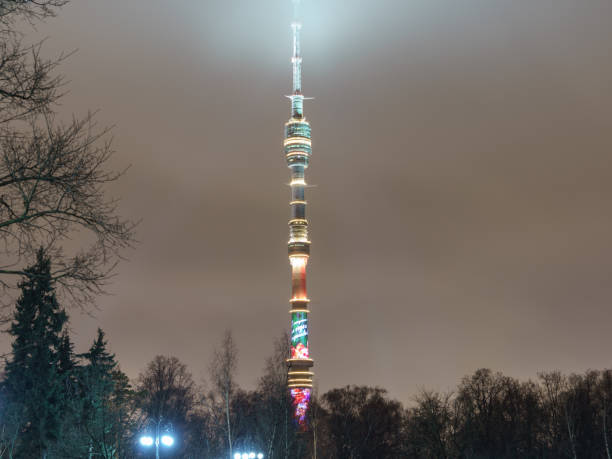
{"type": "Point", "coordinates": [246, 433]}
{"type": "Point", "coordinates": [32, 382]}
{"type": "Point", "coordinates": [199, 435]}
{"type": "Point", "coordinates": [66, 358]}
{"type": "Point", "coordinates": [274, 413]}
{"type": "Point", "coordinates": [73, 443]}
{"type": "Point", "coordinates": [222, 373]}
{"type": "Point", "coordinates": [498, 417]}
{"type": "Point", "coordinates": [106, 400]}
{"type": "Point", "coordinates": [429, 426]}
{"type": "Point", "coordinates": [605, 396]}
{"type": "Point", "coordinates": [52, 175]}
{"type": "Point", "coordinates": [167, 395]}
{"type": "Point", "coordinates": [583, 404]}
{"type": "Point", "coordinates": [362, 423]}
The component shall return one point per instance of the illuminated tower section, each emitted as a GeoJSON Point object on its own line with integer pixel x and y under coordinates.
{"type": "Point", "coordinates": [297, 153]}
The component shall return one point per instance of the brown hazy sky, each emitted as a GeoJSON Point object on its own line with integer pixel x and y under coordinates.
{"type": "Point", "coordinates": [461, 214]}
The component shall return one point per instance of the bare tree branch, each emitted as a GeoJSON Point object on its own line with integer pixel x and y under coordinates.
{"type": "Point", "coordinates": [53, 176]}
{"type": "Point", "coordinates": [30, 10]}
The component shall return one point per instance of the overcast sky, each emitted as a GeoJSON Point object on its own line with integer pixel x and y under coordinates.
{"type": "Point", "coordinates": [461, 209]}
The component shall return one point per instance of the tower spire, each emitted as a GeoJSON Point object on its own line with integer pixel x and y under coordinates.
{"type": "Point", "coordinates": [297, 99]}
{"type": "Point", "coordinates": [296, 59]}
{"type": "Point", "coordinates": [297, 146]}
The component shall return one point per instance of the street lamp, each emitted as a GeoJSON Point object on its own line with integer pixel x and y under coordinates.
{"type": "Point", "coordinates": [165, 439]}
{"type": "Point", "coordinates": [249, 455]}
{"type": "Point", "coordinates": [146, 440]}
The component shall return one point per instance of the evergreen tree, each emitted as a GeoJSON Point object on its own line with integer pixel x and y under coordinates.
{"type": "Point", "coordinates": [32, 380]}
{"type": "Point", "coordinates": [73, 440]}
{"type": "Point", "coordinates": [107, 398]}
{"type": "Point", "coordinates": [66, 360]}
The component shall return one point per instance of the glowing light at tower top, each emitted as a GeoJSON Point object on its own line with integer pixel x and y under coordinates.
{"type": "Point", "coordinates": [298, 149]}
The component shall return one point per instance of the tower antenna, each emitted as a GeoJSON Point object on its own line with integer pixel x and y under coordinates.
{"type": "Point", "coordinates": [298, 149]}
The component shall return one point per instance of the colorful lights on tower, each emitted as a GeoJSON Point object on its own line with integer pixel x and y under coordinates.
{"type": "Point", "coordinates": [298, 148]}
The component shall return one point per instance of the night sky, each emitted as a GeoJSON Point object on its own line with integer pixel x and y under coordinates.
{"type": "Point", "coordinates": [461, 202]}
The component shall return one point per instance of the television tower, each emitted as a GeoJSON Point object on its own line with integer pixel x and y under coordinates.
{"type": "Point", "coordinates": [297, 153]}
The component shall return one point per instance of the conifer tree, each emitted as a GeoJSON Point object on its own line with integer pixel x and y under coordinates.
{"type": "Point", "coordinates": [66, 359]}
{"type": "Point", "coordinates": [106, 400]}
{"type": "Point", "coordinates": [32, 381]}
{"type": "Point", "coordinates": [73, 440]}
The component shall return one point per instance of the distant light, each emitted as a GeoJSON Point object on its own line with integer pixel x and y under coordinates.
{"type": "Point", "coordinates": [167, 440]}
{"type": "Point", "coordinates": [146, 441]}
{"type": "Point", "coordinates": [237, 456]}
{"type": "Point", "coordinates": [245, 456]}
{"type": "Point", "coordinates": [260, 456]}
{"type": "Point", "coordinates": [251, 455]}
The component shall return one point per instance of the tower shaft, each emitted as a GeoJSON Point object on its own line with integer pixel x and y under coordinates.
{"type": "Point", "coordinates": [298, 149]}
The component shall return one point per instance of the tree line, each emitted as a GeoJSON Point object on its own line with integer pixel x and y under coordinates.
{"type": "Point", "coordinates": [57, 403]}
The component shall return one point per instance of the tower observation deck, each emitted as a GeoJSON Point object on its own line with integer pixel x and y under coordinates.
{"type": "Point", "coordinates": [298, 149]}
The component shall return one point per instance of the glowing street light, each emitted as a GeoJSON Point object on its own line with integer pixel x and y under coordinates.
{"type": "Point", "coordinates": [249, 455]}
{"type": "Point", "coordinates": [146, 440]}
{"type": "Point", "coordinates": [165, 439]}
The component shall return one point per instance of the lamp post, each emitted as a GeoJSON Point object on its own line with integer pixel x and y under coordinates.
{"type": "Point", "coordinates": [165, 439]}
{"type": "Point", "coordinates": [249, 455]}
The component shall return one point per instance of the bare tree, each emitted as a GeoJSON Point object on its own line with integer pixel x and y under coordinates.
{"type": "Point", "coordinates": [52, 175]}
{"type": "Point", "coordinates": [430, 424]}
{"type": "Point", "coordinates": [605, 391]}
{"type": "Point", "coordinates": [276, 405]}
{"type": "Point", "coordinates": [362, 422]}
{"type": "Point", "coordinates": [222, 372]}
{"type": "Point", "coordinates": [167, 389]}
